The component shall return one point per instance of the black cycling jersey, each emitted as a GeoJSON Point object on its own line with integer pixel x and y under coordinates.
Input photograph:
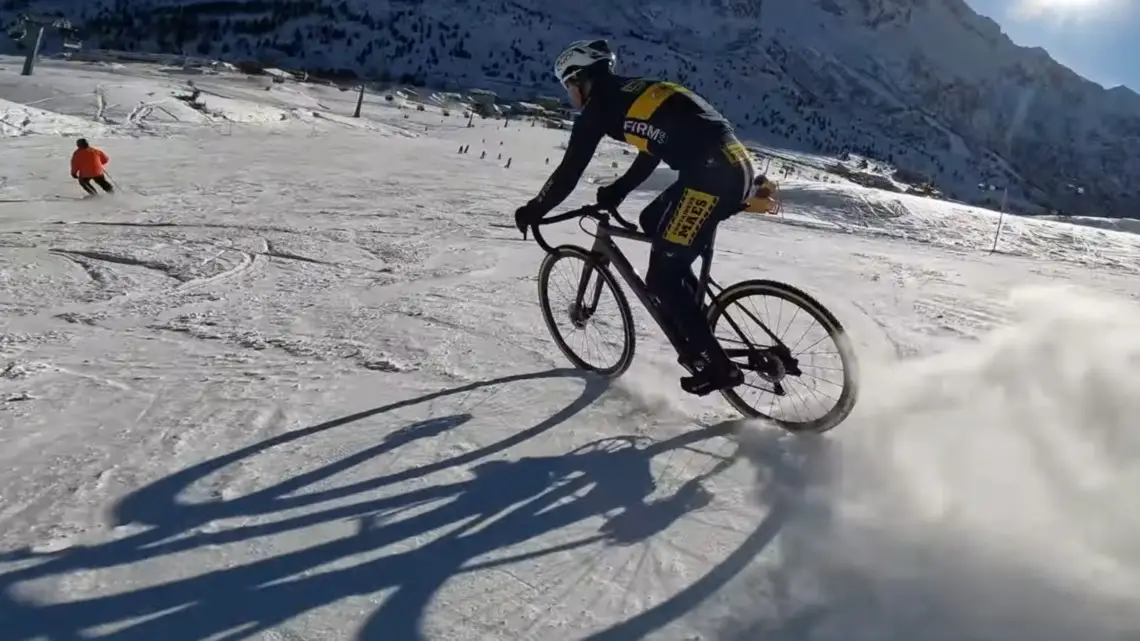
{"type": "Point", "coordinates": [664, 121]}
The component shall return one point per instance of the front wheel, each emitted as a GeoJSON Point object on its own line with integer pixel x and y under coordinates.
{"type": "Point", "coordinates": [590, 310]}
{"type": "Point", "coordinates": [751, 320]}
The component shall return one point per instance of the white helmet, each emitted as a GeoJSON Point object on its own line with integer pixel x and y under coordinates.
{"type": "Point", "coordinates": [581, 55]}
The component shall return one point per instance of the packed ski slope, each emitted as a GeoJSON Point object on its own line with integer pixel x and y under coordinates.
{"type": "Point", "coordinates": [292, 383]}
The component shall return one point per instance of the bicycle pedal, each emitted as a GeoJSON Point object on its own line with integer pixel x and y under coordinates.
{"type": "Point", "coordinates": [693, 368]}
{"type": "Point", "coordinates": [702, 385]}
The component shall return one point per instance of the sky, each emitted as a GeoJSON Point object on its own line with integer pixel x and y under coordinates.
{"type": "Point", "coordinates": [1095, 38]}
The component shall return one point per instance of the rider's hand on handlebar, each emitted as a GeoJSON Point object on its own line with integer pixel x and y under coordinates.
{"type": "Point", "coordinates": [526, 216]}
{"type": "Point", "coordinates": [610, 197]}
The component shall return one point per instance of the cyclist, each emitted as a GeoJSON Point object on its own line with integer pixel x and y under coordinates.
{"type": "Point", "coordinates": [665, 122]}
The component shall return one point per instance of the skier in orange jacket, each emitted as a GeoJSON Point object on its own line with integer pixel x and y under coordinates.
{"type": "Point", "coordinates": [87, 164]}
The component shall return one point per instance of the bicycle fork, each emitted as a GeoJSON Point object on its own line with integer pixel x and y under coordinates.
{"type": "Point", "coordinates": [581, 311]}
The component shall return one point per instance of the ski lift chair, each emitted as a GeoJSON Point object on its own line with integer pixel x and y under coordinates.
{"type": "Point", "coordinates": [71, 39]}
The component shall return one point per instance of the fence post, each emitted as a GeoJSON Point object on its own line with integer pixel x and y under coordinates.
{"type": "Point", "coordinates": [1001, 219]}
{"type": "Point", "coordinates": [359, 103]}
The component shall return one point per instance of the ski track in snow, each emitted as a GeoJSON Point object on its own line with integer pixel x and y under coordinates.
{"type": "Point", "coordinates": [292, 383]}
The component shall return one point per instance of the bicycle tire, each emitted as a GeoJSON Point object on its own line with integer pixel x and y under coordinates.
{"type": "Point", "coordinates": [835, 332]}
{"type": "Point", "coordinates": [629, 337]}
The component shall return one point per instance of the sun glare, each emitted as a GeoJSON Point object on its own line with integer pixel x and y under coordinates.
{"type": "Point", "coordinates": [1065, 9]}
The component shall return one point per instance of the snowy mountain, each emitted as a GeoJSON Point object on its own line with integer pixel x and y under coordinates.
{"type": "Point", "coordinates": [927, 85]}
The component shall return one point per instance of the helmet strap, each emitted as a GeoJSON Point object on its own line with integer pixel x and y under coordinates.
{"type": "Point", "coordinates": [577, 85]}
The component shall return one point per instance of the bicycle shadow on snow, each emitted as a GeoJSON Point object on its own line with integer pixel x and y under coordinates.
{"type": "Point", "coordinates": [501, 503]}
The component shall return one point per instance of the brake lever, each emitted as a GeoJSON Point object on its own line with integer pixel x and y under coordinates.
{"type": "Point", "coordinates": [622, 221]}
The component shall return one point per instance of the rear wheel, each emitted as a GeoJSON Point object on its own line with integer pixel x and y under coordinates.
{"type": "Point", "coordinates": [751, 321]}
{"type": "Point", "coordinates": [586, 311]}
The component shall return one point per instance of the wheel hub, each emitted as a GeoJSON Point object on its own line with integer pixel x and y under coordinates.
{"type": "Point", "coordinates": [769, 366]}
{"type": "Point", "coordinates": [578, 315]}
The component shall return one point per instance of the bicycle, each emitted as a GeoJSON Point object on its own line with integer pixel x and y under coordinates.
{"type": "Point", "coordinates": [774, 363]}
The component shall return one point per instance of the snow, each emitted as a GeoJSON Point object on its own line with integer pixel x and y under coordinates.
{"type": "Point", "coordinates": [23, 120]}
{"type": "Point", "coordinates": [292, 383]}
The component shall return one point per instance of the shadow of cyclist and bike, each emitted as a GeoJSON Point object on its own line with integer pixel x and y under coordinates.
{"type": "Point", "coordinates": [486, 516]}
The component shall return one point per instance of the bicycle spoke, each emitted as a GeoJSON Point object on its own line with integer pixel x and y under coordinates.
{"type": "Point", "coordinates": [789, 379]}
{"type": "Point", "coordinates": [586, 312]}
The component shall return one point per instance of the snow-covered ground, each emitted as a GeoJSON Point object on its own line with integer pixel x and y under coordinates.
{"type": "Point", "coordinates": [292, 383]}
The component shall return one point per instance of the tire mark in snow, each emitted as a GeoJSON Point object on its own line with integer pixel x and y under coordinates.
{"type": "Point", "coordinates": [542, 356]}
{"type": "Point", "coordinates": [97, 379]}
{"type": "Point", "coordinates": [273, 252]}
{"type": "Point", "coordinates": [268, 248]}
{"type": "Point", "coordinates": [118, 260]}
{"type": "Point", "coordinates": [256, 228]}
{"type": "Point", "coordinates": [248, 262]}
{"type": "Point", "coordinates": [901, 350]}
{"type": "Point", "coordinates": [91, 272]}
{"type": "Point", "coordinates": [42, 199]}
{"type": "Point", "coordinates": [951, 315]}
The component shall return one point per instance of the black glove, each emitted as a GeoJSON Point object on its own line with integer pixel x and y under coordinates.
{"type": "Point", "coordinates": [611, 196]}
{"type": "Point", "coordinates": [526, 216]}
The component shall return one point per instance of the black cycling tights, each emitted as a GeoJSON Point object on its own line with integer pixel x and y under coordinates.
{"type": "Point", "coordinates": [672, 282]}
{"type": "Point", "coordinates": [682, 221]}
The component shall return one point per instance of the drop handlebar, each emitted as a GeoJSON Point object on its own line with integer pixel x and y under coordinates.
{"type": "Point", "coordinates": [597, 212]}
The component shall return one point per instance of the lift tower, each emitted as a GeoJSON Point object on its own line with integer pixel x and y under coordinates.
{"type": "Point", "coordinates": [30, 30]}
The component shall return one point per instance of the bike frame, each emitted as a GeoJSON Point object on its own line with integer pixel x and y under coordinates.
{"type": "Point", "coordinates": [605, 252]}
